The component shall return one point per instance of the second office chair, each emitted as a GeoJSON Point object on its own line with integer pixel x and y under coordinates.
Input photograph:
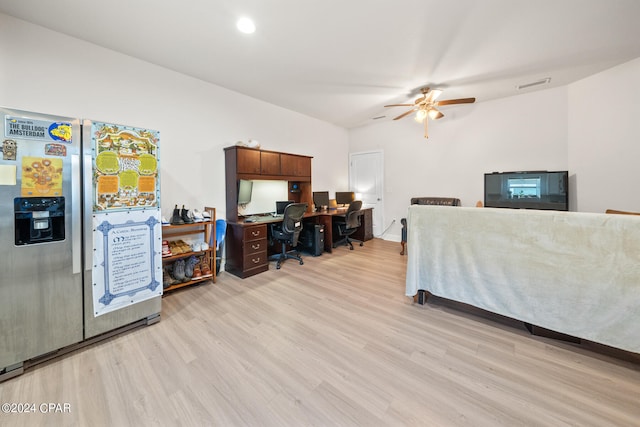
{"type": "Point", "coordinates": [349, 225]}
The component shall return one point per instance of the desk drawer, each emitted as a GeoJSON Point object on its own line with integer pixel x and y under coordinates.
{"type": "Point", "coordinates": [246, 247]}
{"type": "Point", "coordinates": [255, 246]}
{"type": "Point", "coordinates": [255, 260]}
{"type": "Point", "coordinates": [255, 232]}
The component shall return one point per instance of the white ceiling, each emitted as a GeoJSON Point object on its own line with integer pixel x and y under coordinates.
{"type": "Point", "coordinates": [341, 61]}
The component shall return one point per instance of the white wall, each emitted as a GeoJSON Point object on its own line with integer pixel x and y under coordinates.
{"type": "Point", "coordinates": [524, 132]}
{"type": "Point", "coordinates": [604, 139]}
{"type": "Point", "coordinates": [590, 127]}
{"type": "Point", "coordinates": [49, 72]}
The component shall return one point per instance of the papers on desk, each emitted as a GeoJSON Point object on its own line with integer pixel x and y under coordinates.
{"type": "Point", "coordinates": [262, 218]}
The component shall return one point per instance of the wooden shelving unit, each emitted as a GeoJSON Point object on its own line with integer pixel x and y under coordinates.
{"type": "Point", "coordinates": [207, 231]}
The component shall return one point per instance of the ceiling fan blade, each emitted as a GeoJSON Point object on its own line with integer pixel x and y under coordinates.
{"type": "Point", "coordinates": [404, 114]}
{"type": "Point", "coordinates": [456, 101]}
{"type": "Point", "coordinates": [399, 105]}
{"type": "Point", "coordinates": [431, 96]}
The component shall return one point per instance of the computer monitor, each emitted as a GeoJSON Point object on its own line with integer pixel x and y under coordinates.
{"type": "Point", "coordinates": [245, 188]}
{"type": "Point", "coordinates": [320, 199]}
{"type": "Point", "coordinates": [345, 197]}
{"type": "Point", "coordinates": [281, 205]}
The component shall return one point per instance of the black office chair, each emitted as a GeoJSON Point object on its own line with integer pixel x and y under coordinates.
{"type": "Point", "coordinates": [346, 226]}
{"type": "Point", "coordinates": [287, 233]}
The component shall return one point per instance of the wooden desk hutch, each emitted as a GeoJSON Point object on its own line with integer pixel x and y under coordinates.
{"type": "Point", "coordinates": [249, 163]}
{"type": "Point", "coordinates": [246, 244]}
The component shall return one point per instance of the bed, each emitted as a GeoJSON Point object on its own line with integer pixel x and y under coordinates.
{"type": "Point", "coordinates": [574, 273]}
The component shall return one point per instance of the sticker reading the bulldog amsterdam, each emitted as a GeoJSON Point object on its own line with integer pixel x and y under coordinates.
{"type": "Point", "coordinates": [39, 130]}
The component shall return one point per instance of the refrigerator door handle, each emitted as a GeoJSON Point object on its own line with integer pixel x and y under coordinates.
{"type": "Point", "coordinates": [76, 219]}
{"type": "Point", "coordinates": [87, 170]}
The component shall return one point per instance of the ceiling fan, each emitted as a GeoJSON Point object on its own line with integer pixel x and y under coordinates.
{"type": "Point", "coordinates": [425, 106]}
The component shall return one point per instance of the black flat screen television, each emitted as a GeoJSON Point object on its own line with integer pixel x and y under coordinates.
{"type": "Point", "coordinates": [527, 190]}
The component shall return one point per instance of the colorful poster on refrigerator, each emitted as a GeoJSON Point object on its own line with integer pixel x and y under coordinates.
{"type": "Point", "coordinates": [125, 162]}
{"type": "Point", "coordinates": [127, 258]}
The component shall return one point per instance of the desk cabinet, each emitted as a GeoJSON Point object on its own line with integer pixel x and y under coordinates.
{"type": "Point", "coordinates": [293, 165]}
{"type": "Point", "coordinates": [365, 231]}
{"type": "Point", "coordinates": [246, 249]}
{"type": "Point", "coordinates": [248, 161]}
{"type": "Point", "coordinates": [269, 163]}
{"type": "Point", "coordinates": [253, 161]}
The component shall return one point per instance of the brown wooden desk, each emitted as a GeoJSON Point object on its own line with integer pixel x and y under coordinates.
{"type": "Point", "coordinates": [247, 245]}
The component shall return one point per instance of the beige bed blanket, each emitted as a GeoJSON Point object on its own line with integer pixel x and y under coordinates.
{"type": "Point", "coordinates": [574, 273]}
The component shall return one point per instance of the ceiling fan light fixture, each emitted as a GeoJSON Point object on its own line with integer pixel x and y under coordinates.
{"type": "Point", "coordinates": [434, 114]}
{"type": "Point", "coordinates": [425, 107]}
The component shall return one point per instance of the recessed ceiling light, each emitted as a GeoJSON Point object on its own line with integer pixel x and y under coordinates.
{"type": "Point", "coordinates": [246, 25]}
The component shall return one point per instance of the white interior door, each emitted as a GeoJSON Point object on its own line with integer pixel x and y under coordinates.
{"type": "Point", "coordinates": [366, 172]}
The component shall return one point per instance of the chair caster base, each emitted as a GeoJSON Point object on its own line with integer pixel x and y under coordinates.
{"type": "Point", "coordinates": [280, 259]}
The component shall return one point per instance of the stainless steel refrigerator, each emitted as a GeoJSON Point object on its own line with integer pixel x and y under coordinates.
{"type": "Point", "coordinates": [79, 230]}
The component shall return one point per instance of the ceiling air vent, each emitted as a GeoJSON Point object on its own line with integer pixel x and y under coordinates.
{"type": "Point", "coordinates": [536, 83]}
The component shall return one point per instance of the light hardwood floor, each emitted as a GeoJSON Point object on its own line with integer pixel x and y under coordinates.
{"type": "Point", "coordinates": [331, 343]}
